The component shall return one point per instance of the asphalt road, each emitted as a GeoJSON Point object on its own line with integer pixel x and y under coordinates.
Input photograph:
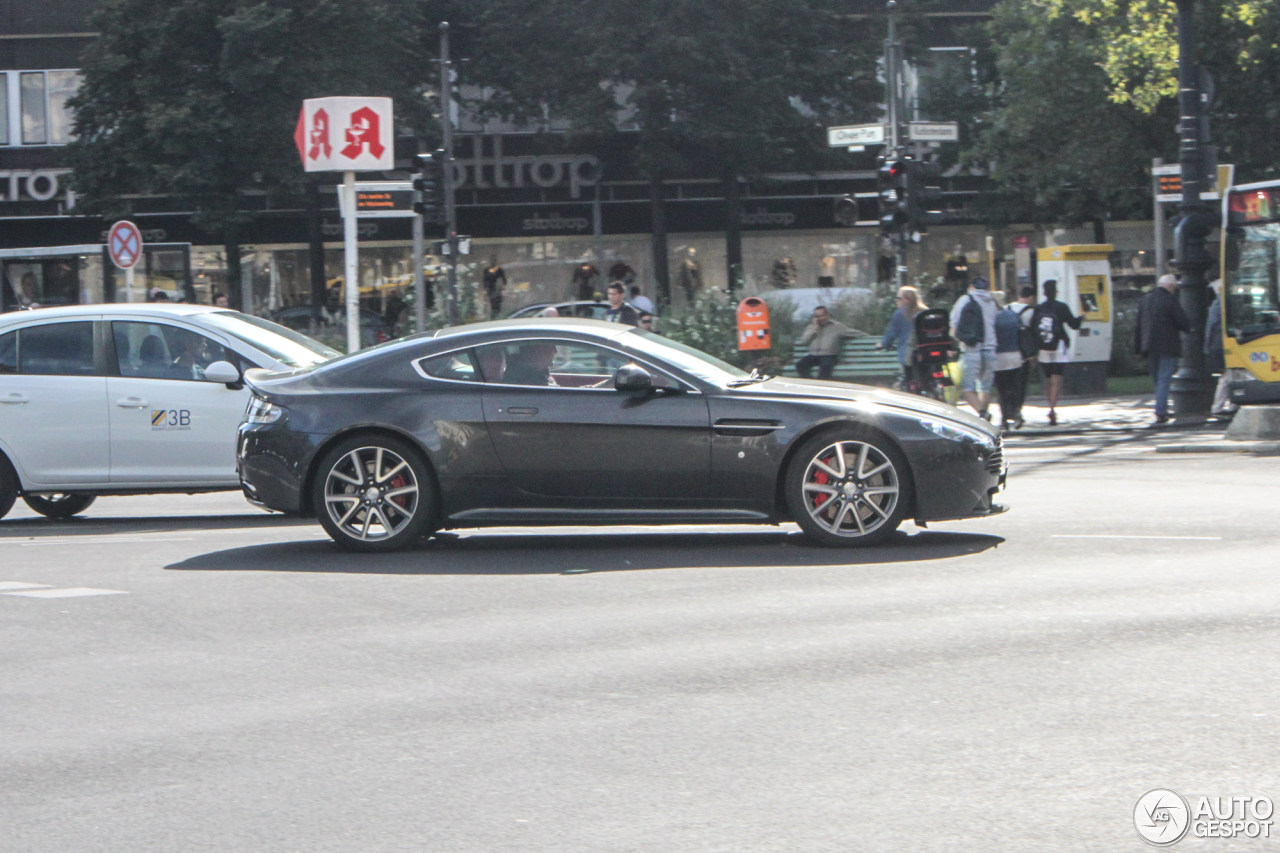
{"type": "Point", "coordinates": [1013, 684]}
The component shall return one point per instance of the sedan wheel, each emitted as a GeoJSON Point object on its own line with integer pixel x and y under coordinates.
{"type": "Point", "coordinates": [373, 494]}
{"type": "Point", "coordinates": [8, 487]}
{"type": "Point", "coordinates": [847, 490]}
{"type": "Point", "coordinates": [58, 504]}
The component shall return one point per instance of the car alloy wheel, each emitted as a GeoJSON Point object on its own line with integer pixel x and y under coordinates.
{"type": "Point", "coordinates": [58, 504]}
{"type": "Point", "coordinates": [8, 486]}
{"type": "Point", "coordinates": [848, 490]}
{"type": "Point", "coordinates": [373, 495]}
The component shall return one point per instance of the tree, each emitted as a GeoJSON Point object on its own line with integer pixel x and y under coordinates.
{"type": "Point", "coordinates": [197, 99]}
{"type": "Point", "coordinates": [734, 86]}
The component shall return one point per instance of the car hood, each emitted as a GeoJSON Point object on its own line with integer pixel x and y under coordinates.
{"type": "Point", "coordinates": [818, 389]}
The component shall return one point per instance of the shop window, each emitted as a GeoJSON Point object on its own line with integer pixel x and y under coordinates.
{"type": "Point", "coordinates": [43, 95]}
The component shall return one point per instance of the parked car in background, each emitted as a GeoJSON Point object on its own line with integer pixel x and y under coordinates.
{"type": "Point", "coordinates": [129, 399]}
{"type": "Point", "coordinates": [583, 309]}
{"type": "Point", "coordinates": [300, 318]}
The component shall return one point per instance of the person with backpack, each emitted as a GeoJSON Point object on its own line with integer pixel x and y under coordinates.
{"type": "Point", "coordinates": [1050, 321]}
{"type": "Point", "coordinates": [973, 324]}
{"type": "Point", "coordinates": [1028, 343]}
{"type": "Point", "coordinates": [1009, 364]}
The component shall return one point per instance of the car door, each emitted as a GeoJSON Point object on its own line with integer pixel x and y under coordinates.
{"type": "Point", "coordinates": [53, 404]}
{"type": "Point", "coordinates": [561, 431]}
{"type": "Point", "coordinates": [168, 424]}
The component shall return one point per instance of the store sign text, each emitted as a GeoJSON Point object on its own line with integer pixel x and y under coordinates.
{"type": "Point", "coordinates": [545, 171]}
{"type": "Point", "coordinates": [35, 184]}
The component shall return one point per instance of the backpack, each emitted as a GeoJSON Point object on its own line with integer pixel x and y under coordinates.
{"type": "Point", "coordinates": [970, 328]}
{"type": "Point", "coordinates": [1045, 325]}
{"type": "Point", "coordinates": [1008, 328]}
{"type": "Point", "coordinates": [1028, 336]}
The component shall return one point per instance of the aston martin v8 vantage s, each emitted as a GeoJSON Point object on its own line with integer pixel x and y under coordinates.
{"type": "Point", "coordinates": [554, 421]}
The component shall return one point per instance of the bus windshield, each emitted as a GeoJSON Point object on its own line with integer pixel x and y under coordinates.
{"type": "Point", "coordinates": [1252, 299]}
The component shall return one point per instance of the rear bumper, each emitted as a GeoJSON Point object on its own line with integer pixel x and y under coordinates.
{"type": "Point", "coordinates": [272, 467]}
{"type": "Point", "coordinates": [1254, 391]}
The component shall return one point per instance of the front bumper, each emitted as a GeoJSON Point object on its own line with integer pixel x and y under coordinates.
{"type": "Point", "coordinates": [1254, 392]}
{"type": "Point", "coordinates": [955, 479]}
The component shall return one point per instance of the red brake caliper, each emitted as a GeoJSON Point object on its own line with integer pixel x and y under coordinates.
{"type": "Point", "coordinates": [398, 483]}
{"type": "Point", "coordinates": [821, 478]}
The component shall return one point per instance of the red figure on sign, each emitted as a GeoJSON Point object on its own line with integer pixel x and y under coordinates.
{"type": "Point", "coordinates": [364, 131]}
{"type": "Point", "coordinates": [320, 135]}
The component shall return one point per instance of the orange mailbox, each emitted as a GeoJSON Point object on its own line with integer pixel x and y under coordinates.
{"type": "Point", "coordinates": [753, 324]}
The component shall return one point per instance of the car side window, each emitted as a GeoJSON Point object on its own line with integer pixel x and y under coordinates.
{"type": "Point", "coordinates": [56, 349]}
{"type": "Point", "coordinates": [9, 353]}
{"type": "Point", "coordinates": [553, 363]}
{"type": "Point", "coordinates": [454, 367]}
{"type": "Point", "coordinates": [160, 351]}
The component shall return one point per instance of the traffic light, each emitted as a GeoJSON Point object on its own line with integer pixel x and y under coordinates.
{"type": "Point", "coordinates": [430, 186]}
{"type": "Point", "coordinates": [892, 183]}
{"type": "Point", "coordinates": [846, 211]}
{"type": "Point", "coordinates": [924, 195]}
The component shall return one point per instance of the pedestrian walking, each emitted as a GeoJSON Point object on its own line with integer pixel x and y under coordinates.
{"type": "Point", "coordinates": [1215, 357]}
{"type": "Point", "coordinates": [1157, 336]}
{"type": "Point", "coordinates": [902, 326]}
{"type": "Point", "coordinates": [1050, 322]}
{"type": "Point", "coordinates": [973, 324]}
{"type": "Point", "coordinates": [823, 336]}
{"type": "Point", "coordinates": [640, 301]}
{"type": "Point", "coordinates": [494, 279]}
{"type": "Point", "coordinates": [1009, 364]}
{"type": "Point", "coordinates": [619, 311]}
{"type": "Point", "coordinates": [1028, 343]}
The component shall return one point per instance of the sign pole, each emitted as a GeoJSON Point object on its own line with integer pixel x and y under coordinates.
{"type": "Point", "coordinates": [128, 285]}
{"type": "Point", "coordinates": [351, 260]}
{"type": "Point", "coordinates": [450, 210]}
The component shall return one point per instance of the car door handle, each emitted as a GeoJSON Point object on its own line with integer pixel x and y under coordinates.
{"type": "Point", "coordinates": [132, 403]}
{"type": "Point", "coordinates": [521, 410]}
{"type": "Point", "coordinates": [14, 399]}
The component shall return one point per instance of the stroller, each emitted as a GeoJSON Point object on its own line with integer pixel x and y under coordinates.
{"type": "Point", "coordinates": [934, 350]}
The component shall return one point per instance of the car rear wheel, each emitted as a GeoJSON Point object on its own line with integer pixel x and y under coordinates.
{"type": "Point", "coordinates": [374, 493]}
{"type": "Point", "coordinates": [8, 486]}
{"type": "Point", "coordinates": [848, 487]}
{"type": "Point", "coordinates": [58, 504]}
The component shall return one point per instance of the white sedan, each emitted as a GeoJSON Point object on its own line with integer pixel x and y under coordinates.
{"type": "Point", "coordinates": [129, 399]}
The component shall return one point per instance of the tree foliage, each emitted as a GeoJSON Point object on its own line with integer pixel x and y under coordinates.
{"type": "Point", "coordinates": [197, 99]}
{"type": "Point", "coordinates": [744, 84]}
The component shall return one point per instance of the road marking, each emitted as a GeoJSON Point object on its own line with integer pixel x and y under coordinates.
{"type": "Point", "coordinates": [72, 592]}
{"type": "Point", "coordinates": [4, 585]}
{"type": "Point", "coordinates": [1122, 536]}
{"type": "Point", "coordinates": [88, 540]}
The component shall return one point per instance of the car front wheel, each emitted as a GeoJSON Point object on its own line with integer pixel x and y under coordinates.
{"type": "Point", "coordinates": [848, 487]}
{"type": "Point", "coordinates": [58, 504]}
{"type": "Point", "coordinates": [8, 487]}
{"type": "Point", "coordinates": [374, 493]}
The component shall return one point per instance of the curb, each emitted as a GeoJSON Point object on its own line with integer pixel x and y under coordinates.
{"type": "Point", "coordinates": [1259, 448]}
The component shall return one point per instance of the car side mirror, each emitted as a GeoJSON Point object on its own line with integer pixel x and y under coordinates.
{"type": "Point", "coordinates": [633, 377]}
{"type": "Point", "coordinates": [224, 372]}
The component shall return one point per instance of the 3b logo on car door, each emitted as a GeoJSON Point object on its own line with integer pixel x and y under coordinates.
{"type": "Point", "coordinates": [168, 420]}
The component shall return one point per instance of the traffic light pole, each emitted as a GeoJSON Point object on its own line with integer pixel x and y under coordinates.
{"type": "Point", "coordinates": [419, 280]}
{"type": "Point", "coordinates": [1192, 386]}
{"type": "Point", "coordinates": [450, 210]}
{"type": "Point", "coordinates": [892, 74]}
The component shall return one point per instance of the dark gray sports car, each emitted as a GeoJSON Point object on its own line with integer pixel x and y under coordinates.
{"type": "Point", "coordinates": [566, 421]}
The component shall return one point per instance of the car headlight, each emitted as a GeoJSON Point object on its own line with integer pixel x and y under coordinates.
{"type": "Point", "coordinates": [957, 432]}
{"type": "Point", "coordinates": [262, 412]}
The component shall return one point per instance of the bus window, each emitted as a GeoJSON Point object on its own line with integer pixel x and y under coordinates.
{"type": "Point", "coordinates": [1253, 295]}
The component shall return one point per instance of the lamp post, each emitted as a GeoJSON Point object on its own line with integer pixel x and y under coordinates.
{"type": "Point", "coordinates": [1192, 386]}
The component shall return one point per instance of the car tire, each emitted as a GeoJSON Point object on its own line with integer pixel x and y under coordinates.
{"type": "Point", "coordinates": [8, 486]}
{"type": "Point", "coordinates": [374, 493]}
{"type": "Point", "coordinates": [58, 504]}
{"type": "Point", "coordinates": [848, 487]}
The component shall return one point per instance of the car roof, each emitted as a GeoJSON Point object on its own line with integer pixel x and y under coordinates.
{"type": "Point", "coordinates": [141, 309]}
{"type": "Point", "coordinates": [541, 325]}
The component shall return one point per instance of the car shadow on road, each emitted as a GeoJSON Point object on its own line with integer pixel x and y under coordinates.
{"type": "Point", "coordinates": [549, 554]}
{"type": "Point", "coordinates": [108, 525]}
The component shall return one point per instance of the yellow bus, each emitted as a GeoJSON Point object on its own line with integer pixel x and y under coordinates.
{"type": "Point", "coordinates": [1250, 292]}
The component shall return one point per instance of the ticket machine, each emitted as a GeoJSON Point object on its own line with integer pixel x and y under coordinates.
{"type": "Point", "coordinates": [1083, 273]}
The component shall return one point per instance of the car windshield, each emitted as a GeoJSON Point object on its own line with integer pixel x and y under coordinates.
{"type": "Point", "coordinates": [280, 342]}
{"type": "Point", "coordinates": [690, 360]}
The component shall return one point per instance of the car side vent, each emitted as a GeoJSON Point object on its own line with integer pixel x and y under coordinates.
{"type": "Point", "coordinates": [746, 427]}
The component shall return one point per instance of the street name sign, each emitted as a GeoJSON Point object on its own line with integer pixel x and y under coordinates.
{"type": "Point", "coordinates": [933, 131]}
{"type": "Point", "coordinates": [855, 134]}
